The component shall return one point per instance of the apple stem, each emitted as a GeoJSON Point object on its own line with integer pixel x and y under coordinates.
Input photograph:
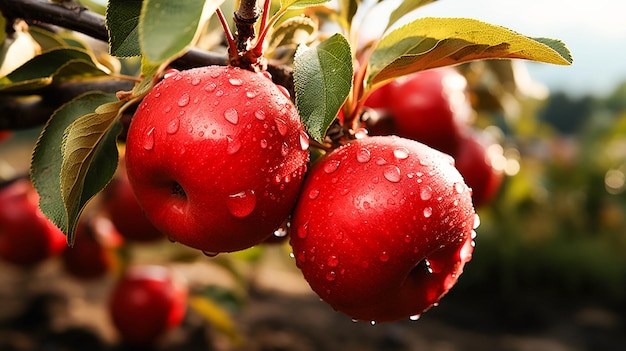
{"type": "Point", "coordinates": [245, 17]}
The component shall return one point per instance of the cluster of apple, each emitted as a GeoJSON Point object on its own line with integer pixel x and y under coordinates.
{"type": "Point", "coordinates": [380, 227]}
{"type": "Point", "coordinates": [145, 302]}
{"type": "Point", "coordinates": [433, 107]}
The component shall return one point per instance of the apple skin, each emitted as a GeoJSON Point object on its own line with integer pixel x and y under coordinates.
{"type": "Point", "coordinates": [92, 256]}
{"type": "Point", "coordinates": [125, 212]}
{"type": "Point", "coordinates": [429, 106]}
{"type": "Point", "coordinates": [146, 303]}
{"type": "Point", "coordinates": [375, 217]}
{"type": "Point", "coordinates": [475, 160]}
{"type": "Point", "coordinates": [27, 236]}
{"type": "Point", "coordinates": [216, 157]}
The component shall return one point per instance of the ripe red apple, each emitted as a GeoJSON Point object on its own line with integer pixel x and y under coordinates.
{"type": "Point", "coordinates": [92, 255]}
{"type": "Point", "coordinates": [27, 237]}
{"type": "Point", "coordinates": [4, 134]}
{"type": "Point", "coordinates": [429, 106]}
{"type": "Point", "coordinates": [383, 228]}
{"type": "Point", "coordinates": [125, 212]}
{"type": "Point", "coordinates": [216, 157]}
{"type": "Point", "coordinates": [146, 303]}
{"type": "Point", "coordinates": [480, 161]}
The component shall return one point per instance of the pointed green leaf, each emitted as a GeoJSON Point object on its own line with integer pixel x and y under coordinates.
{"type": "Point", "coordinates": [348, 8]}
{"type": "Point", "coordinates": [122, 21]}
{"type": "Point", "coordinates": [148, 73]}
{"type": "Point", "coordinates": [168, 28]}
{"type": "Point", "coordinates": [47, 156]}
{"type": "Point", "coordinates": [41, 69]}
{"type": "Point", "coordinates": [292, 32]}
{"type": "Point", "coordinates": [434, 42]}
{"type": "Point", "coordinates": [323, 80]}
{"type": "Point", "coordinates": [405, 7]}
{"type": "Point", "coordinates": [90, 158]}
{"type": "Point", "coordinates": [297, 4]}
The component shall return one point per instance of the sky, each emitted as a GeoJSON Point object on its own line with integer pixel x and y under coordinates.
{"type": "Point", "coordinates": [594, 31]}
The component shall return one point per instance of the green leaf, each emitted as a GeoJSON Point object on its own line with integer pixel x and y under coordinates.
{"type": "Point", "coordinates": [148, 72]}
{"type": "Point", "coordinates": [323, 79]}
{"type": "Point", "coordinates": [47, 157]}
{"type": "Point", "coordinates": [348, 8]}
{"type": "Point", "coordinates": [168, 28]}
{"type": "Point", "coordinates": [434, 42]}
{"type": "Point", "coordinates": [122, 21]}
{"type": "Point", "coordinates": [405, 7]}
{"type": "Point", "coordinates": [3, 23]}
{"type": "Point", "coordinates": [292, 32]}
{"type": "Point", "coordinates": [297, 4]}
{"type": "Point", "coordinates": [89, 152]}
{"type": "Point", "coordinates": [41, 69]}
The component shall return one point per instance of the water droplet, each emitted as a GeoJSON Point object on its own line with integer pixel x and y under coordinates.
{"type": "Point", "coordinates": [401, 153]}
{"type": "Point", "coordinates": [260, 115]}
{"type": "Point", "coordinates": [407, 238]}
{"type": "Point", "coordinates": [242, 203]}
{"type": "Point", "coordinates": [231, 115]}
{"type": "Point", "coordinates": [168, 109]}
{"type": "Point", "coordinates": [280, 232]}
{"type": "Point", "coordinates": [210, 87]}
{"type": "Point", "coordinates": [363, 155]}
{"type": "Point", "coordinates": [313, 194]}
{"type": "Point", "coordinates": [331, 166]}
{"type": "Point", "coordinates": [195, 81]}
{"type": "Point", "coordinates": [428, 211]}
{"type": "Point", "coordinates": [366, 205]}
{"type": "Point", "coordinates": [214, 73]}
{"type": "Point", "coordinates": [170, 72]}
{"type": "Point", "coordinates": [291, 255]}
{"type": "Point", "coordinates": [233, 145]}
{"type": "Point", "coordinates": [361, 133]}
{"type": "Point", "coordinates": [284, 149]}
{"type": "Point", "coordinates": [303, 231]}
{"type": "Point", "coordinates": [263, 143]}
{"type": "Point", "coordinates": [218, 94]}
{"type": "Point", "coordinates": [426, 192]}
{"type": "Point", "coordinates": [281, 125]}
{"type": "Point", "coordinates": [476, 221]}
{"type": "Point", "coordinates": [373, 322]}
{"type": "Point", "coordinates": [384, 256]}
{"type": "Point", "coordinates": [304, 141]}
{"type": "Point", "coordinates": [354, 320]}
{"type": "Point", "coordinates": [459, 187]}
{"type": "Point", "coordinates": [381, 161]}
{"type": "Point", "coordinates": [333, 261]}
{"type": "Point", "coordinates": [148, 140]}
{"type": "Point", "coordinates": [184, 100]}
{"type": "Point", "coordinates": [365, 264]}
{"type": "Point", "coordinates": [235, 81]}
{"type": "Point", "coordinates": [392, 173]}
{"type": "Point", "coordinates": [330, 276]}
{"type": "Point", "coordinates": [415, 317]}
{"type": "Point", "coordinates": [172, 127]}
{"type": "Point", "coordinates": [284, 91]}
{"type": "Point", "coordinates": [210, 254]}
{"type": "Point", "coordinates": [251, 94]}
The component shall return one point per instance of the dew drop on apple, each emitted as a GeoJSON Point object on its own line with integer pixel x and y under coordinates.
{"type": "Point", "coordinates": [476, 221]}
{"type": "Point", "coordinates": [331, 166]}
{"type": "Point", "coordinates": [330, 276]}
{"type": "Point", "coordinates": [170, 72]}
{"type": "Point", "coordinates": [363, 155]}
{"type": "Point", "coordinates": [235, 82]}
{"type": "Point", "coordinates": [303, 231]}
{"type": "Point", "coordinates": [148, 139]}
{"type": "Point", "coordinates": [281, 125]}
{"type": "Point", "coordinates": [210, 254]}
{"type": "Point", "coordinates": [233, 145]}
{"type": "Point", "coordinates": [280, 232]}
{"type": "Point", "coordinates": [173, 126]}
{"type": "Point", "coordinates": [284, 149]}
{"type": "Point", "coordinates": [401, 153]}
{"type": "Point", "coordinates": [184, 100]}
{"type": "Point", "coordinates": [373, 322]}
{"type": "Point", "coordinates": [260, 115]}
{"type": "Point", "coordinates": [428, 211]}
{"type": "Point", "coordinates": [263, 143]}
{"type": "Point", "coordinates": [426, 192]}
{"type": "Point", "coordinates": [313, 194]}
{"type": "Point", "coordinates": [210, 87]}
{"type": "Point", "coordinates": [392, 173]}
{"type": "Point", "coordinates": [333, 261]}
{"type": "Point", "coordinates": [195, 81]}
{"type": "Point", "coordinates": [304, 141]}
{"type": "Point", "coordinates": [384, 256]}
{"type": "Point", "coordinates": [251, 94]}
{"type": "Point", "coordinates": [459, 187]}
{"type": "Point", "coordinates": [242, 203]}
{"type": "Point", "coordinates": [231, 115]}
{"type": "Point", "coordinates": [415, 317]}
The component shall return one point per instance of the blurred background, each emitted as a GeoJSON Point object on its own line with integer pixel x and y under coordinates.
{"type": "Point", "coordinates": [549, 267]}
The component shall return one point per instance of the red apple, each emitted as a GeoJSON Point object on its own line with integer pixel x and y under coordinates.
{"type": "Point", "coordinates": [4, 134]}
{"type": "Point", "coordinates": [146, 303]}
{"type": "Point", "coordinates": [27, 237]}
{"type": "Point", "coordinates": [92, 256]}
{"type": "Point", "coordinates": [383, 228]}
{"type": "Point", "coordinates": [480, 160]}
{"type": "Point", "coordinates": [216, 157]}
{"type": "Point", "coordinates": [125, 212]}
{"type": "Point", "coordinates": [430, 106]}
